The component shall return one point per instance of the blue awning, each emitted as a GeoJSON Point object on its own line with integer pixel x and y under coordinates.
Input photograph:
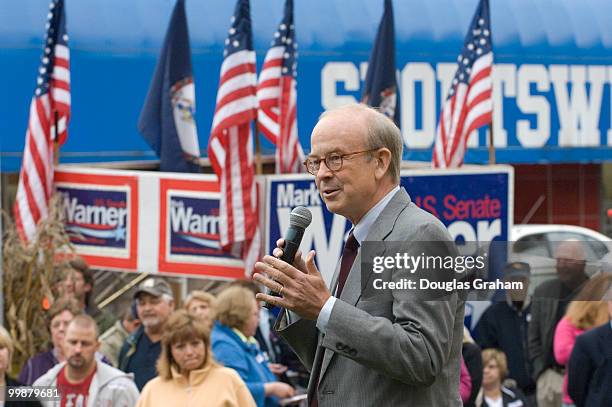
{"type": "Point", "coordinates": [114, 45]}
{"type": "Point", "coordinates": [535, 27]}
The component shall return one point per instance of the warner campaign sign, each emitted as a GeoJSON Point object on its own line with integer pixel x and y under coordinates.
{"type": "Point", "coordinates": [101, 215]}
{"type": "Point", "coordinates": [189, 229]}
{"type": "Point", "coordinates": [148, 222]}
{"type": "Point", "coordinates": [476, 204]}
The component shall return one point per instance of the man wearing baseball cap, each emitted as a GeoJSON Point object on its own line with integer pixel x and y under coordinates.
{"type": "Point", "coordinates": [154, 304]}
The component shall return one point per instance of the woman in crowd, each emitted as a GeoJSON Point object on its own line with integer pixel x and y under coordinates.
{"type": "Point", "coordinates": [471, 355]}
{"type": "Point", "coordinates": [585, 312]}
{"type": "Point", "coordinates": [6, 353]}
{"type": "Point", "coordinates": [233, 345]}
{"type": "Point", "coordinates": [188, 375]}
{"type": "Point", "coordinates": [465, 383]}
{"type": "Point", "coordinates": [493, 393]}
{"type": "Point", "coordinates": [60, 314]}
{"type": "Point", "coordinates": [201, 305]}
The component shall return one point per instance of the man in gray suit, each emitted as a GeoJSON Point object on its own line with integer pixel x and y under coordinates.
{"type": "Point", "coordinates": [366, 347]}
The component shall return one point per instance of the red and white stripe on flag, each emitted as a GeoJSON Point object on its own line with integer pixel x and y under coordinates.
{"type": "Point", "coordinates": [36, 177]}
{"type": "Point", "coordinates": [469, 108]}
{"type": "Point", "coordinates": [277, 115]}
{"type": "Point", "coordinates": [230, 151]}
{"type": "Point", "coordinates": [47, 123]}
{"type": "Point", "coordinates": [60, 91]}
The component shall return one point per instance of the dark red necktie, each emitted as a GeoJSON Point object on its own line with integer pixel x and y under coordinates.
{"type": "Point", "coordinates": [348, 258]}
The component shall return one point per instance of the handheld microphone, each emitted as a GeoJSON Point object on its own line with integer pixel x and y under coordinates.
{"type": "Point", "coordinates": [299, 220]}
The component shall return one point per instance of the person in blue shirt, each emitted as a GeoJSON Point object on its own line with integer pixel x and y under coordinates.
{"type": "Point", "coordinates": [234, 345]}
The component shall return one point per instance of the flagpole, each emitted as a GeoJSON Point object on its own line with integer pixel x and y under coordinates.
{"type": "Point", "coordinates": [55, 143]}
{"type": "Point", "coordinates": [491, 146]}
{"type": "Point", "coordinates": [258, 163]}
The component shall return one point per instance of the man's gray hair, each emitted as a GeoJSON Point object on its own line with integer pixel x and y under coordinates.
{"type": "Point", "coordinates": [382, 132]}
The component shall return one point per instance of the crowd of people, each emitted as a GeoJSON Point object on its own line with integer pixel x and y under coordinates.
{"type": "Point", "coordinates": [535, 346]}
{"type": "Point", "coordinates": [205, 353]}
{"type": "Point", "coordinates": [544, 349]}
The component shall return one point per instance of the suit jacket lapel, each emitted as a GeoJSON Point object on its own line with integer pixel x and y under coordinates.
{"type": "Point", "coordinates": [380, 230]}
{"type": "Point", "coordinates": [378, 233]}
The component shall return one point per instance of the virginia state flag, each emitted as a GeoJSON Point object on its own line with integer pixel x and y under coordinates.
{"type": "Point", "coordinates": [167, 119]}
{"type": "Point", "coordinates": [380, 89]}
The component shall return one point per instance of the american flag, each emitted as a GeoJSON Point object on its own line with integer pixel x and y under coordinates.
{"type": "Point", "coordinates": [48, 123]}
{"type": "Point", "coordinates": [230, 148]}
{"type": "Point", "coordinates": [469, 104]}
{"type": "Point", "coordinates": [277, 95]}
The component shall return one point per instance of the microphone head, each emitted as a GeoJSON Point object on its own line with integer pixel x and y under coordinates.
{"type": "Point", "coordinates": [300, 217]}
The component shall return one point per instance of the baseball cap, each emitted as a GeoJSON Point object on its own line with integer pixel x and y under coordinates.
{"type": "Point", "coordinates": [155, 287]}
{"type": "Point", "coordinates": [517, 269]}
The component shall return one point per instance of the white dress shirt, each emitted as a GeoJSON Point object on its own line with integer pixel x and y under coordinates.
{"type": "Point", "coordinates": [360, 231]}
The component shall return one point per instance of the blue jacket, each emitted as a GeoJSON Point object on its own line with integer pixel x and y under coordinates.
{"type": "Point", "coordinates": [246, 359]}
{"type": "Point", "coordinates": [590, 368]}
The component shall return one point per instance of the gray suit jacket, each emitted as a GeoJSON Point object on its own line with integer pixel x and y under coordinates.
{"type": "Point", "coordinates": [385, 348]}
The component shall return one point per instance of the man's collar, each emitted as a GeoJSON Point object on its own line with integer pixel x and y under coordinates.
{"type": "Point", "coordinates": [361, 230]}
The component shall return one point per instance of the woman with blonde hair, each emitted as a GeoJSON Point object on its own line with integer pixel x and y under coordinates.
{"type": "Point", "coordinates": [234, 345]}
{"type": "Point", "coordinates": [188, 375]}
{"type": "Point", "coordinates": [493, 393]}
{"type": "Point", "coordinates": [6, 353]}
{"type": "Point", "coordinates": [585, 312]}
{"type": "Point", "coordinates": [201, 305]}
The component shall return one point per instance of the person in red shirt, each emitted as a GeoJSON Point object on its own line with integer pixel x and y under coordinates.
{"type": "Point", "coordinates": [73, 388]}
{"type": "Point", "coordinates": [81, 380]}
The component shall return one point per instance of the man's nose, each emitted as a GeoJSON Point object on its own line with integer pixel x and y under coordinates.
{"type": "Point", "coordinates": [324, 171]}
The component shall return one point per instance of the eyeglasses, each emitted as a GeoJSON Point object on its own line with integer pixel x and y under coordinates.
{"type": "Point", "coordinates": [333, 161]}
{"type": "Point", "coordinates": [569, 260]}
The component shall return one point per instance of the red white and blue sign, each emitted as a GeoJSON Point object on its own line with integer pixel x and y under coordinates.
{"type": "Point", "coordinates": [475, 205]}
{"type": "Point", "coordinates": [95, 217]}
{"type": "Point", "coordinates": [101, 217]}
{"type": "Point", "coordinates": [194, 226]}
{"type": "Point", "coordinates": [189, 230]}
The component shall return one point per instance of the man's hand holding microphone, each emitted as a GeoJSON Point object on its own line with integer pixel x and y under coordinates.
{"type": "Point", "coordinates": [294, 282]}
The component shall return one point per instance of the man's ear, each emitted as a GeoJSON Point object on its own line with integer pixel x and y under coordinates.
{"type": "Point", "coordinates": [382, 158]}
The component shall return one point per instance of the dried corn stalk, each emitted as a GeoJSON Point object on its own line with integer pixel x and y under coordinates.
{"type": "Point", "coordinates": [29, 278]}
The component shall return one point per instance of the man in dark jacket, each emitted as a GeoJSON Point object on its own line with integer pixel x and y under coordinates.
{"type": "Point", "coordinates": [590, 367]}
{"type": "Point", "coordinates": [504, 326]}
{"type": "Point", "coordinates": [139, 354]}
